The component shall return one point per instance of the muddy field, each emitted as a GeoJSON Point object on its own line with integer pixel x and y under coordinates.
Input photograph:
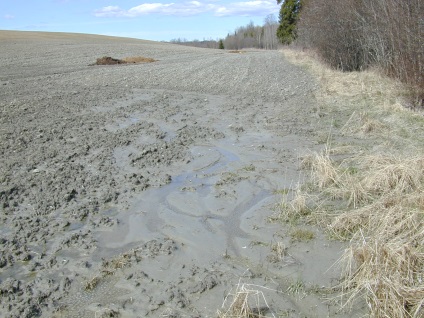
{"type": "Point", "coordinates": [146, 190]}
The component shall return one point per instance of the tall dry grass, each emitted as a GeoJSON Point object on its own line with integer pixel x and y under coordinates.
{"type": "Point", "coordinates": [369, 190]}
{"type": "Point", "coordinates": [385, 224]}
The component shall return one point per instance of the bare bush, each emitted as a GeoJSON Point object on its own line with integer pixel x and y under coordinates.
{"type": "Point", "coordinates": [352, 35]}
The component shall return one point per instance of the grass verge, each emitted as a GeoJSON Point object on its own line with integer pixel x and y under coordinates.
{"type": "Point", "coordinates": [367, 187]}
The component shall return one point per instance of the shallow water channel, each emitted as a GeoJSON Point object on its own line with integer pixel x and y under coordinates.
{"type": "Point", "coordinates": [194, 208]}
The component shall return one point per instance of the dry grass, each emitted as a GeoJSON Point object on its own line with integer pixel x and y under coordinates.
{"type": "Point", "coordinates": [246, 302]}
{"type": "Point", "coordinates": [296, 287]}
{"type": "Point", "coordinates": [384, 220]}
{"type": "Point", "coordinates": [362, 122]}
{"type": "Point", "coordinates": [301, 235]}
{"type": "Point", "coordinates": [109, 267]}
{"type": "Point", "coordinates": [279, 251]}
{"type": "Point", "coordinates": [323, 170]}
{"type": "Point", "coordinates": [387, 266]}
{"type": "Point", "coordinates": [294, 205]}
{"type": "Point", "coordinates": [383, 216]}
{"type": "Point", "coordinates": [92, 283]}
{"type": "Point", "coordinates": [374, 196]}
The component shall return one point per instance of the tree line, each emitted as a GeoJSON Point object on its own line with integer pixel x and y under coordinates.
{"type": "Point", "coordinates": [208, 44]}
{"type": "Point", "coordinates": [249, 36]}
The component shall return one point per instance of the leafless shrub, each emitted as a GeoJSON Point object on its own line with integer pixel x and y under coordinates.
{"type": "Point", "coordinates": [354, 34]}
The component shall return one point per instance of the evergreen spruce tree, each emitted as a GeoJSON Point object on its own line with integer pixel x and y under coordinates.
{"type": "Point", "coordinates": [289, 13]}
{"type": "Point", "coordinates": [221, 44]}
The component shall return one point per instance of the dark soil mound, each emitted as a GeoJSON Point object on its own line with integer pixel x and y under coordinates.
{"type": "Point", "coordinates": [107, 60]}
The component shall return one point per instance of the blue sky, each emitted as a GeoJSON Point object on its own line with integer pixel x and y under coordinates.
{"type": "Point", "coordinates": [159, 20]}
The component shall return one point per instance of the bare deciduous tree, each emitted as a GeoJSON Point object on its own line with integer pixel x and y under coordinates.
{"type": "Point", "coordinates": [270, 32]}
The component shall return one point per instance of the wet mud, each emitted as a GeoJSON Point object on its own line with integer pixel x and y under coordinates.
{"type": "Point", "coordinates": [146, 190]}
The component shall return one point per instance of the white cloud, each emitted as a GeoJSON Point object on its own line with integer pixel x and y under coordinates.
{"type": "Point", "coordinates": [247, 8]}
{"type": "Point", "coordinates": [109, 11]}
{"type": "Point", "coordinates": [147, 8]}
{"type": "Point", "coordinates": [8, 16]}
{"type": "Point", "coordinates": [187, 8]}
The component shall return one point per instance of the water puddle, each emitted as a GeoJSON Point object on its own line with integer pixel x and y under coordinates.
{"type": "Point", "coordinates": [192, 209]}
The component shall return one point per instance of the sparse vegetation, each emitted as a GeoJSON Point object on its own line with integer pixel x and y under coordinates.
{"type": "Point", "coordinates": [246, 302]}
{"type": "Point", "coordinates": [109, 267]}
{"type": "Point", "coordinates": [296, 287]}
{"type": "Point", "coordinates": [249, 168]}
{"type": "Point", "coordinates": [301, 235]}
{"type": "Point", "coordinates": [258, 243]}
{"type": "Point", "coordinates": [230, 177]}
{"type": "Point", "coordinates": [92, 283]}
{"type": "Point", "coordinates": [293, 206]}
{"type": "Point", "coordinates": [279, 250]}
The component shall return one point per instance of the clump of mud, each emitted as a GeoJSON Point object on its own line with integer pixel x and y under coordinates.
{"type": "Point", "coordinates": [107, 60]}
